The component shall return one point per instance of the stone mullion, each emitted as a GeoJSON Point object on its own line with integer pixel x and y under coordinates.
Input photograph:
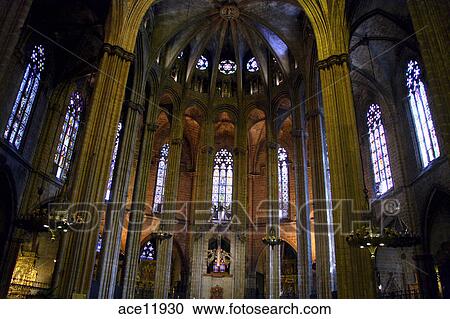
{"type": "Point", "coordinates": [240, 208]}
{"type": "Point", "coordinates": [319, 205]}
{"type": "Point", "coordinates": [92, 170]}
{"type": "Point", "coordinates": [112, 235]}
{"type": "Point", "coordinates": [165, 247]}
{"type": "Point", "coordinates": [273, 267]}
{"type": "Point", "coordinates": [202, 200]}
{"type": "Point", "coordinates": [431, 23]}
{"type": "Point", "coordinates": [138, 204]}
{"type": "Point", "coordinates": [303, 235]}
{"type": "Point", "coordinates": [355, 277]}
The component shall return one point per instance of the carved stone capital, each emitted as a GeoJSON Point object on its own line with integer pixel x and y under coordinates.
{"type": "Point", "coordinates": [135, 107]}
{"type": "Point", "coordinates": [118, 51]}
{"type": "Point", "coordinates": [332, 60]}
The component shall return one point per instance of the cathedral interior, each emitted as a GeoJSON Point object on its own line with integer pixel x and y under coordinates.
{"type": "Point", "coordinates": [224, 149]}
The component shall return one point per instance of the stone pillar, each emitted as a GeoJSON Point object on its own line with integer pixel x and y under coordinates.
{"type": "Point", "coordinates": [239, 225]}
{"type": "Point", "coordinates": [355, 275]}
{"type": "Point", "coordinates": [273, 267]}
{"type": "Point", "coordinates": [319, 203]}
{"type": "Point", "coordinates": [138, 205]}
{"type": "Point", "coordinates": [112, 233]}
{"type": "Point", "coordinates": [202, 206]}
{"type": "Point", "coordinates": [92, 170]}
{"type": "Point", "coordinates": [303, 226]}
{"type": "Point", "coordinates": [165, 247]}
{"type": "Point", "coordinates": [431, 22]}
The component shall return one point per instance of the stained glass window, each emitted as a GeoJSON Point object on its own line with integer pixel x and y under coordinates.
{"type": "Point", "coordinates": [202, 63]}
{"type": "Point", "coordinates": [113, 163]}
{"type": "Point", "coordinates": [423, 122]}
{"type": "Point", "coordinates": [379, 153]}
{"type": "Point", "coordinates": [148, 252]}
{"type": "Point", "coordinates": [180, 56]}
{"type": "Point", "coordinates": [20, 113]}
{"type": "Point", "coordinates": [252, 65]}
{"type": "Point", "coordinates": [227, 67]}
{"type": "Point", "coordinates": [99, 244]}
{"type": "Point", "coordinates": [283, 182]}
{"type": "Point", "coordinates": [158, 198]}
{"type": "Point", "coordinates": [222, 190]}
{"type": "Point", "coordinates": [68, 136]}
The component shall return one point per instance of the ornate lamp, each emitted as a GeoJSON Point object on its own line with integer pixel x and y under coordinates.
{"type": "Point", "coordinates": [372, 238]}
{"type": "Point", "coordinates": [272, 239]}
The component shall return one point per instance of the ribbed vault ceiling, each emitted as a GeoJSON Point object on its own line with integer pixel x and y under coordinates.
{"type": "Point", "coordinates": [229, 29]}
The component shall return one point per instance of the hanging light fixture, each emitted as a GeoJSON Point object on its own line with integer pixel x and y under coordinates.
{"type": "Point", "coordinates": [271, 239]}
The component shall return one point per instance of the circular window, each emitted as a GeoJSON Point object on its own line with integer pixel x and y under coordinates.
{"type": "Point", "coordinates": [202, 63]}
{"type": "Point", "coordinates": [252, 65]}
{"type": "Point", "coordinates": [227, 67]}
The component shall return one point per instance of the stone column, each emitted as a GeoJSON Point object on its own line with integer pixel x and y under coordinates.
{"type": "Point", "coordinates": [112, 233]}
{"type": "Point", "coordinates": [273, 268]}
{"type": "Point", "coordinates": [355, 275]}
{"type": "Point", "coordinates": [431, 22]}
{"type": "Point", "coordinates": [303, 226]}
{"type": "Point", "coordinates": [202, 206]}
{"type": "Point", "coordinates": [239, 225]}
{"type": "Point", "coordinates": [92, 170]}
{"type": "Point", "coordinates": [319, 203]}
{"type": "Point", "coordinates": [164, 253]}
{"type": "Point", "coordinates": [138, 205]}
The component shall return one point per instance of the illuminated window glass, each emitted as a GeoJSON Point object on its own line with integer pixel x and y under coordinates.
{"type": "Point", "coordinates": [379, 153]}
{"type": "Point", "coordinates": [202, 63]}
{"type": "Point", "coordinates": [20, 113]}
{"type": "Point", "coordinates": [99, 244]}
{"type": "Point", "coordinates": [283, 182]}
{"type": "Point", "coordinates": [158, 198]}
{"type": "Point", "coordinates": [68, 135]}
{"type": "Point", "coordinates": [180, 56]}
{"type": "Point", "coordinates": [113, 163]}
{"type": "Point", "coordinates": [222, 190]}
{"type": "Point", "coordinates": [423, 122]}
{"type": "Point", "coordinates": [148, 252]}
{"type": "Point", "coordinates": [252, 65]}
{"type": "Point", "coordinates": [227, 67]}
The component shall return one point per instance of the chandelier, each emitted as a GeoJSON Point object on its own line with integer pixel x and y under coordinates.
{"type": "Point", "coordinates": [371, 238]}
{"type": "Point", "coordinates": [271, 239]}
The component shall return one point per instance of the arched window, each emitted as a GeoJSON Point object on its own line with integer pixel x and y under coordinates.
{"type": "Point", "coordinates": [113, 162]}
{"type": "Point", "coordinates": [283, 182]}
{"type": "Point", "coordinates": [379, 153]}
{"type": "Point", "coordinates": [20, 114]}
{"type": "Point", "coordinates": [222, 188]}
{"type": "Point", "coordinates": [158, 198]}
{"type": "Point", "coordinates": [148, 252]}
{"type": "Point", "coordinates": [423, 122]}
{"type": "Point", "coordinates": [98, 248]}
{"type": "Point", "coordinates": [202, 63]}
{"type": "Point", "coordinates": [252, 65]}
{"type": "Point", "coordinates": [68, 135]}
